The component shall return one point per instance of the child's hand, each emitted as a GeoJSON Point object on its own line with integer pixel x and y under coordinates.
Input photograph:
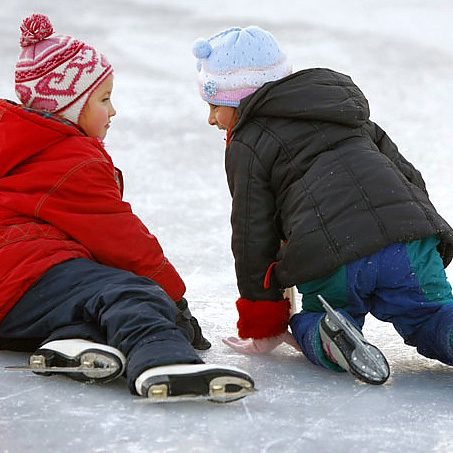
{"type": "Point", "coordinates": [261, 346]}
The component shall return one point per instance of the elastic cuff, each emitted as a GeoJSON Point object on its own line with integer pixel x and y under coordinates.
{"type": "Point", "coordinates": [262, 318]}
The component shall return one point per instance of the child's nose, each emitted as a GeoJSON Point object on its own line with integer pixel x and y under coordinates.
{"type": "Point", "coordinates": [212, 120]}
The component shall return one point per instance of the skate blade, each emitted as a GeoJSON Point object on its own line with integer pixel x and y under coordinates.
{"type": "Point", "coordinates": [90, 366]}
{"type": "Point", "coordinates": [368, 363]}
{"type": "Point", "coordinates": [90, 372]}
{"type": "Point", "coordinates": [218, 392]}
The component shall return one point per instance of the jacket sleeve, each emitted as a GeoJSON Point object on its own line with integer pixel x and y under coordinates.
{"type": "Point", "coordinates": [263, 312]}
{"type": "Point", "coordinates": [388, 147]}
{"type": "Point", "coordinates": [255, 241]}
{"type": "Point", "coordinates": [86, 204]}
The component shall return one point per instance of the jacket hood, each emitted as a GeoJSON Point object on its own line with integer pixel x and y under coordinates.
{"type": "Point", "coordinates": [313, 95]}
{"type": "Point", "coordinates": [24, 133]}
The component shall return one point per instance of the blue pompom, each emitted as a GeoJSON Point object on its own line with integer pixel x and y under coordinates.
{"type": "Point", "coordinates": [201, 48]}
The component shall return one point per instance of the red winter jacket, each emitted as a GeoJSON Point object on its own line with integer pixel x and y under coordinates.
{"type": "Point", "coordinates": [61, 198]}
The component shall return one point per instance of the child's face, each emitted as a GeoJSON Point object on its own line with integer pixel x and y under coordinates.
{"type": "Point", "coordinates": [221, 116]}
{"type": "Point", "coordinates": [95, 116]}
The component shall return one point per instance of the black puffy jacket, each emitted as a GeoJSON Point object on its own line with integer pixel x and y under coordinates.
{"type": "Point", "coordinates": [306, 166]}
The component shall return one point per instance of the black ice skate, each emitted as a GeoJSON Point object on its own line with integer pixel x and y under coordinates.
{"type": "Point", "coordinates": [347, 346]}
{"type": "Point", "coordinates": [186, 382]}
{"type": "Point", "coordinates": [78, 359]}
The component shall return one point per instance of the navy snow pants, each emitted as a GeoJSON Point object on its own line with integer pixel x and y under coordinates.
{"type": "Point", "coordinates": [404, 283]}
{"type": "Point", "coordinates": [83, 299]}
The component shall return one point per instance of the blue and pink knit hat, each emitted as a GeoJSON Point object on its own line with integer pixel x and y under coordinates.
{"type": "Point", "coordinates": [236, 62]}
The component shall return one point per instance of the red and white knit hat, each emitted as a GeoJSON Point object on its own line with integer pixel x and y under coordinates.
{"type": "Point", "coordinates": [56, 73]}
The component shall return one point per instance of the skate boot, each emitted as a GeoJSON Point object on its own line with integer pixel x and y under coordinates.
{"type": "Point", "coordinates": [79, 359]}
{"type": "Point", "coordinates": [347, 347]}
{"type": "Point", "coordinates": [184, 382]}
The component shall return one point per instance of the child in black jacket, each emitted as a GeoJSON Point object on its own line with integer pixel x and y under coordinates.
{"type": "Point", "coordinates": [322, 200]}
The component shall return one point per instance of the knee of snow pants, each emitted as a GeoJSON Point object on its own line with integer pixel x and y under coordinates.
{"type": "Point", "coordinates": [434, 339]}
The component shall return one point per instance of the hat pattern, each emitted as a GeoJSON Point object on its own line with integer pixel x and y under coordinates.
{"type": "Point", "coordinates": [236, 62]}
{"type": "Point", "coordinates": [56, 73]}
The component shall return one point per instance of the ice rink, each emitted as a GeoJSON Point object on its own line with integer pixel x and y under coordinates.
{"type": "Point", "coordinates": [400, 53]}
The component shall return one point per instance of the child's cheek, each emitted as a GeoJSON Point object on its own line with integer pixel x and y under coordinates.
{"type": "Point", "coordinates": [224, 117]}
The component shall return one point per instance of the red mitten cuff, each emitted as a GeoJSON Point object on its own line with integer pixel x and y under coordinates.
{"type": "Point", "coordinates": [262, 318]}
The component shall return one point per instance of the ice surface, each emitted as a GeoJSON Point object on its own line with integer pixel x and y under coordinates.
{"type": "Point", "coordinates": [400, 53]}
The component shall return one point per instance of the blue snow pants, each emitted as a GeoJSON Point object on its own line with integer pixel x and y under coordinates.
{"type": "Point", "coordinates": [404, 283]}
{"type": "Point", "coordinates": [83, 299]}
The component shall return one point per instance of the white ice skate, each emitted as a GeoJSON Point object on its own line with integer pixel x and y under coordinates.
{"type": "Point", "coordinates": [186, 382]}
{"type": "Point", "coordinates": [79, 359]}
{"type": "Point", "coordinates": [349, 349]}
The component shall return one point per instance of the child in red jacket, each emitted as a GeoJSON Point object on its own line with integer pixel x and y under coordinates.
{"type": "Point", "coordinates": [82, 279]}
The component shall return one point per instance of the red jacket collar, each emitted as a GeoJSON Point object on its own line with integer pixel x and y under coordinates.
{"type": "Point", "coordinates": [230, 130]}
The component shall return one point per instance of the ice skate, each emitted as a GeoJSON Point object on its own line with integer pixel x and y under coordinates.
{"type": "Point", "coordinates": [348, 348]}
{"type": "Point", "coordinates": [184, 382]}
{"type": "Point", "coordinates": [79, 359]}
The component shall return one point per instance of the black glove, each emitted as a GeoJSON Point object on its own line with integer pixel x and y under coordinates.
{"type": "Point", "coordinates": [188, 323]}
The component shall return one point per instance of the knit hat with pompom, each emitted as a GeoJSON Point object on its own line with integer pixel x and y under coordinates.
{"type": "Point", "coordinates": [56, 73]}
{"type": "Point", "coordinates": [236, 62]}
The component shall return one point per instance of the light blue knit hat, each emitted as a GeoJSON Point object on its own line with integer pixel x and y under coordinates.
{"type": "Point", "coordinates": [236, 62]}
